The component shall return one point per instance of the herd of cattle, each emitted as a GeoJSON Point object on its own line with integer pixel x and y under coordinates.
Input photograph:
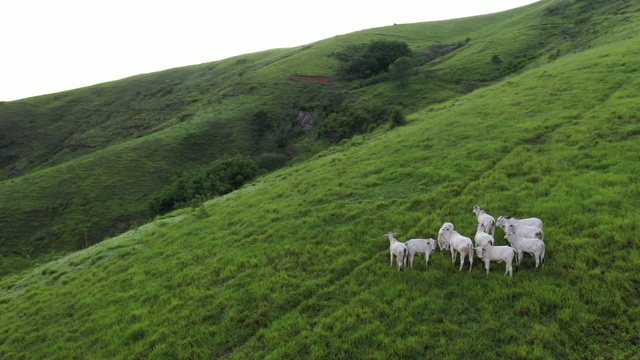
{"type": "Point", "coordinates": [524, 236]}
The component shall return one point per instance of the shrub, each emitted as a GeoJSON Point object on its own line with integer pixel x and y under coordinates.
{"type": "Point", "coordinates": [359, 120]}
{"type": "Point", "coordinates": [219, 178]}
{"type": "Point", "coordinates": [271, 161]}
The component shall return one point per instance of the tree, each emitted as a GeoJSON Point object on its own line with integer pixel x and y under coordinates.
{"type": "Point", "coordinates": [401, 70]}
{"type": "Point", "coordinates": [363, 62]}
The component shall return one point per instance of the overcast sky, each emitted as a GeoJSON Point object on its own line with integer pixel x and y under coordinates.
{"type": "Point", "coordinates": [55, 45]}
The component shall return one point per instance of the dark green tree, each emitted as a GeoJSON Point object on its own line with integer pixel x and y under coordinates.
{"type": "Point", "coordinates": [362, 62]}
{"type": "Point", "coordinates": [401, 70]}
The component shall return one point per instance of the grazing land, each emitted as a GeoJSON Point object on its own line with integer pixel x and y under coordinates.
{"type": "Point", "coordinates": [537, 115]}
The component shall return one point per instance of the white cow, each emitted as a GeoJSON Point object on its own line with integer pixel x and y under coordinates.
{"type": "Point", "coordinates": [398, 249]}
{"type": "Point", "coordinates": [443, 243]}
{"type": "Point", "coordinates": [503, 221]}
{"type": "Point", "coordinates": [525, 231]}
{"type": "Point", "coordinates": [531, 246]}
{"type": "Point", "coordinates": [458, 244]}
{"type": "Point", "coordinates": [482, 238]}
{"type": "Point", "coordinates": [485, 219]}
{"type": "Point", "coordinates": [420, 246]}
{"type": "Point", "coordinates": [490, 253]}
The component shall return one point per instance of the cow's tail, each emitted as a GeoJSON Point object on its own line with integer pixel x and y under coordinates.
{"type": "Point", "coordinates": [405, 257]}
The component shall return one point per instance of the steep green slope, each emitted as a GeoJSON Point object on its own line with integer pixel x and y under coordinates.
{"type": "Point", "coordinates": [84, 164]}
{"type": "Point", "coordinates": [295, 265]}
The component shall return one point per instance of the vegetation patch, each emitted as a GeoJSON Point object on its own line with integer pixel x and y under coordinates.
{"type": "Point", "coordinates": [221, 177]}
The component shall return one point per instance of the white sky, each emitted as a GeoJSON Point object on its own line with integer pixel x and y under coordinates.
{"type": "Point", "coordinates": [55, 45]}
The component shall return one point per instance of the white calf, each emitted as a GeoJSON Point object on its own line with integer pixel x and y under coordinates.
{"type": "Point", "coordinates": [398, 249]}
{"type": "Point", "coordinates": [458, 243]}
{"type": "Point", "coordinates": [420, 246]}
{"type": "Point", "coordinates": [490, 253]}
{"type": "Point", "coordinates": [531, 246]}
{"type": "Point", "coordinates": [485, 219]}
{"type": "Point", "coordinates": [503, 221]}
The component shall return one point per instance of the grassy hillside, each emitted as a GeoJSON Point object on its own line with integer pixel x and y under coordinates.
{"type": "Point", "coordinates": [83, 165]}
{"type": "Point", "coordinates": [295, 265]}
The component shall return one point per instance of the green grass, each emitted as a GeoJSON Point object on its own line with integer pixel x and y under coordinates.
{"type": "Point", "coordinates": [295, 265]}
